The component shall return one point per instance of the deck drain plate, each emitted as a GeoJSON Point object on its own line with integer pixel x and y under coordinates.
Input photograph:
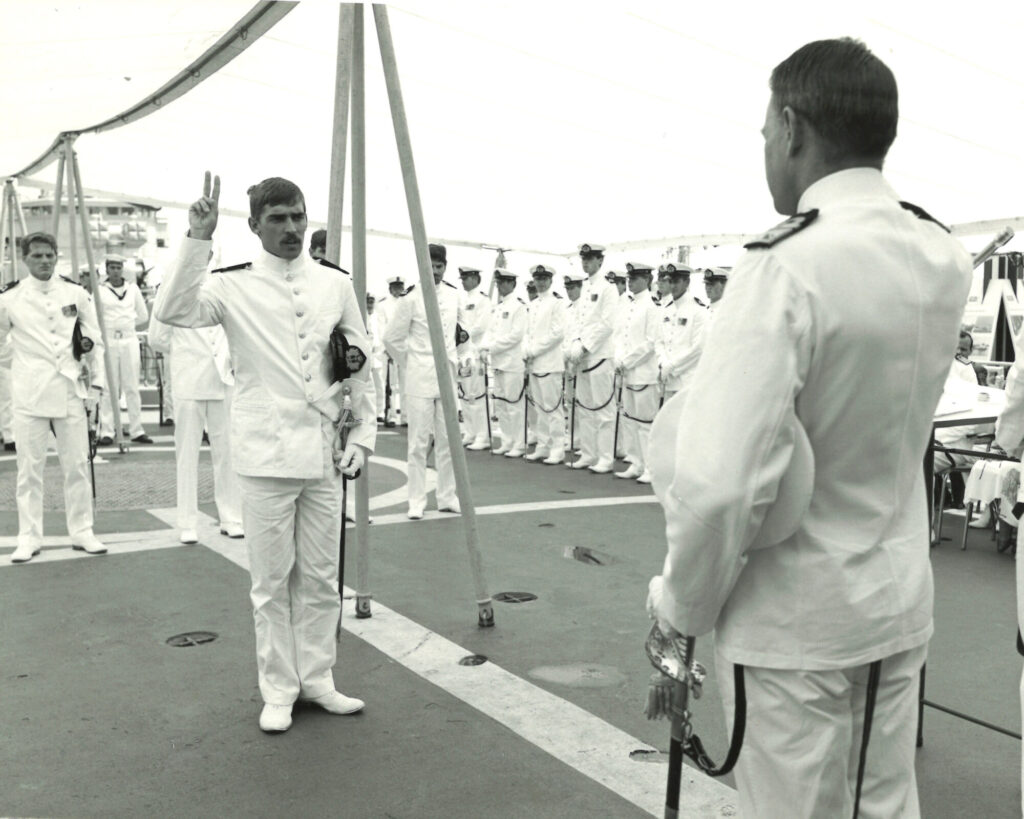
{"type": "Point", "coordinates": [473, 659]}
{"type": "Point", "coordinates": [191, 638]}
{"type": "Point", "coordinates": [514, 597]}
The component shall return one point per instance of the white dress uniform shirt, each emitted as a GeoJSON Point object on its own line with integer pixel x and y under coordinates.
{"type": "Point", "coordinates": [37, 318]}
{"type": "Point", "coordinates": [634, 344]}
{"type": "Point", "coordinates": [545, 332]}
{"type": "Point", "coordinates": [283, 389]}
{"type": "Point", "coordinates": [477, 307]}
{"type": "Point", "coordinates": [678, 347]}
{"type": "Point", "coordinates": [505, 333]}
{"type": "Point", "coordinates": [124, 308]}
{"type": "Point", "coordinates": [803, 325]}
{"type": "Point", "coordinates": [599, 309]}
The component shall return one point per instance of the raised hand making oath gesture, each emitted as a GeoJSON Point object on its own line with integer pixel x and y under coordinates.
{"type": "Point", "coordinates": [202, 214]}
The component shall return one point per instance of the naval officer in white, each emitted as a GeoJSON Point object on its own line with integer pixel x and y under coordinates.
{"type": "Point", "coordinates": [50, 380]}
{"type": "Point", "coordinates": [278, 313]}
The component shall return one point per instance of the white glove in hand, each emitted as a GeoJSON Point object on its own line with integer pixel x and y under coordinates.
{"type": "Point", "coordinates": [655, 591]}
{"type": "Point", "coordinates": [348, 461]}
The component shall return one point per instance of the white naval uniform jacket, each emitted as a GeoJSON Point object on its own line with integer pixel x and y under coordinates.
{"type": "Point", "coordinates": [678, 348]}
{"type": "Point", "coordinates": [545, 331]}
{"type": "Point", "coordinates": [124, 308]}
{"type": "Point", "coordinates": [200, 359]}
{"type": "Point", "coordinates": [477, 307]}
{"type": "Point", "coordinates": [407, 338]}
{"type": "Point", "coordinates": [1010, 436]}
{"type": "Point", "coordinates": [852, 322]}
{"type": "Point", "coordinates": [38, 318]}
{"type": "Point", "coordinates": [572, 326]}
{"type": "Point", "coordinates": [598, 305]}
{"type": "Point", "coordinates": [277, 316]}
{"type": "Point", "coordinates": [634, 344]}
{"type": "Point", "coordinates": [504, 336]}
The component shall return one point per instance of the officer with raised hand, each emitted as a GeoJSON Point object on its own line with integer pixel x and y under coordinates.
{"type": "Point", "coordinates": [502, 345]}
{"type": "Point", "coordinates": [477, 307]}
{"type": "Point", "coordinates": [55, 354]}
{"type": "Point", "coordinates": [637, 364]}
{"type": "Point", "coordinates": [279, 313]}
{"type": "Point", "coordinates": [793, 490]}
{"type": "Point", "coordinates": [542, 349]}
{"type": "Point", "coordinates": [591, 354]}
{"type": "Point", "coordinates": [681, 329]}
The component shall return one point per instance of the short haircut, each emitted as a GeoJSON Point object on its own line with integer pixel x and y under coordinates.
{"type": "Point", "coordinates": [845, 91]}
{"type": "Point", "coordinates": [318, 239]}
{"type": "Point", "coordinates": [37, 238]}
{"type": "Point", "coordinates": [968, 336]}
{"type": "Point", "coordinates": [271, 192]}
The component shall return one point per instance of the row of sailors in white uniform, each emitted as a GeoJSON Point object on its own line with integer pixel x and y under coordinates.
{"type": "Point", "coordinates": [527, 348]}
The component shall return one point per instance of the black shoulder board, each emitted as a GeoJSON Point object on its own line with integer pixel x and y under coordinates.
{"type": "Point", "coordinates": [70, 281]}
{"type": "Point", "coordinates": [921, 213]}
{"type": "Point", "coordinates": [409, 289]}
{"type": "Point", "coordinates": [233, 268]}
{"type": "Point", "coordinates": [331, 265]}
{"type": "Point", "coordinates": [12, 285]}
{"type": "Point", "coordinates": [520, 300]}
{"type": "Point", "coordinates": [452, 286]}
{"type": "Point", "coordinates": [794, 224]}
{"type": "Point", "coordinates": [557, 295]}
{"type": "Point", "coordinates": [702, 304]}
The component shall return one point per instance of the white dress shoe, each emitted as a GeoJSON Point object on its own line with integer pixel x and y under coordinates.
{"type": "Point", "coordinates": [645, 477]}
{"type": "Point", "coordinates": [89, 544]}
{"type": "Point", "coordinates": [983, 520]}
{"type": "Point", "coordinates": [275, 718]}
{"type": "Point", "coordinates": [515, 453]}
{"type": "Point", "coordinates": [602, 466]}
{"type": "Point", "coordinates": [633, 472]}
{"type": "Point", "coordinates": [189, 537]}
{"type": "Point", "coordinates": [24, 553]}
{"type": "Point", "coordinates": [583, 463]}
{"type": "Point", "coordinates": [555, 457]}
{"type": "Point", "coordinates": [476, 446]}
{"type": "Point", "coordinates": [501, 450]}
{"type": "Point", "coordinates": [454, 508]}
{"type": "Point", "coordinates": [414, 514]}
{"type": "Point", "coordinates": [232, 530]}
{"type": "Point", "coordinates": [538, 454]}
{"type": "Point", "coordinates": [337, 703]}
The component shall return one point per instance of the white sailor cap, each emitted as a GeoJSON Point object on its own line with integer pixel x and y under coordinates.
{"type": "Point", "coordinates": [542, 270]}
{"type": "Point", "coordinates": [673, 269]}
{"type": "Point", "coordinates": [396, 280]}
{"type": "Point", "coordinates": [113, 257]}
{"type": "Point", "coordinates": [716, 274]}
{"type": "Point", "coordinates": [638, 269]}
{"type": "Point", "coordinates": [615, 276]}
{"type": "Point", "coordinates": [504, 273]}
{"type": "Point", "coordinates": [591, 250]}
{"type": "Point", "coordinates": [574, 277]}
{"type": "Point", "coordinates": [468, 271]}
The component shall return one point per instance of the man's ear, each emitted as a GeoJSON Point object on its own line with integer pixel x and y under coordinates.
{"type": "Point", "coordinates": [254, 226]}
{"type": "Point", "coordinates": [795, 129]}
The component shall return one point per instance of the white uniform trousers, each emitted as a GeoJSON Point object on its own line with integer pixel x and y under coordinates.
{"type": "Point", "coordinates": [393, 377]}
{"type": "Point", "coordinates": [549, 424]}
{"type": "Point", "coordinates": [33, 436]}
{"type": "Point", "coordinates": [531, 423]}
{"type": "Point", "coordinates": [164, 365]}
{"type": "Point", "coordinates": [426, 420]}
{"type": "Point", "coordinates": [508, 405]}
{"type": "Point", "coordinates": [6, 412]}
{"type": "Point", "coordinates": [576, 420]}
{"type": "Point", "coordinates": [474, 407]}
{"type": "Point", "coordinates": [594, 389]}
{"type": "Point", "coordinates": [292, 527]}
{"type": "Point", "coordinates": [802, 745]}
{"type": "Point", "coordinates": [124, 362]}
{"type": "Point", "coordinates": [377, 374]}
{"type": "Point", "coordinates": [639, 405]}
{"type": "Point", "coordinates": [190, 416]}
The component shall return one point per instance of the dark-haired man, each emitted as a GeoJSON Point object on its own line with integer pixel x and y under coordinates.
{"type": "Point", "coordinates": [794, 495]}
{"type": "Point", "coordinates": [318, 244]}
{"type": "Point", "coordinates": [278, 313]}
{"type": "Point", "coordinates": [51, 376]}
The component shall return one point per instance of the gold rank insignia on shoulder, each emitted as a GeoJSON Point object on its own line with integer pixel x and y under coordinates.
{"type": "Point", "coordinates": [10, 286]}
{"type": "Point", "coordinates": [793, 225]}
{"type": "Point", "coordinates": [233, 268]}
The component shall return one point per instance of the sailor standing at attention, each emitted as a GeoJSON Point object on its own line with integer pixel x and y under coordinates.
{"type": "Point", "coordinates": [124, 312]}
{"type": "Point", "coordinates": [793, 489]}
{"type": "Point", "coordinates": [477, 307]}
{"type": "Point", "coordinates": [55, 354]}
{"type": "Point", "coordinates": [502, 345]}
{"type": "Point", "coordinates": [407, 339]}
{"type": "Point", "coordinates": [591, 354]}
{"type": "Point", "coordinates": [681, 330]}
{"type": "Point", "coordinates": [279, 312]}
{"type": "Point", "coordinates": [542, 349]}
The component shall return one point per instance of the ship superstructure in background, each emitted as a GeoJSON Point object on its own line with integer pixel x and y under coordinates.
{"type": "Point", "coordinates": [120, 226]}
